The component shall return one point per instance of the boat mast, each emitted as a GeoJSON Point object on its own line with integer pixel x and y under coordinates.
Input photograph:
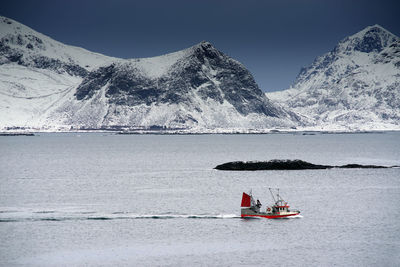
{"type": "Point", "coordinates": [272, 194]}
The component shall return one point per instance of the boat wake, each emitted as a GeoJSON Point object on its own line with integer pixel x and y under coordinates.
{"type": "Point", "coordinates": [52, 215]}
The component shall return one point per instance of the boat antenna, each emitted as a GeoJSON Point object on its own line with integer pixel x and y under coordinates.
{"type": "Point", "coordinates": [272, 194]}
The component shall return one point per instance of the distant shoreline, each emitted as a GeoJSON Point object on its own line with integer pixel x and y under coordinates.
{"type": "Point", "coordinates": [16, 134]}
{"type": "Point", "coordinates": [185, 132]}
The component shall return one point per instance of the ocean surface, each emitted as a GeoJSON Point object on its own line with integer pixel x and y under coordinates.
{"type": "Point", "coordinates": [90, 199]}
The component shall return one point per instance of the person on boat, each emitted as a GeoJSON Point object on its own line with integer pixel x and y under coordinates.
{"type": "Point", "coordinates": [256, 207]}
{"type": "Point", "coordinates": [258, 204]}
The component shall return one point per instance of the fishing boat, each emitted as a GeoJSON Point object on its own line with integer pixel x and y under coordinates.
{"type": "Point", "coordinates": [280, 208]}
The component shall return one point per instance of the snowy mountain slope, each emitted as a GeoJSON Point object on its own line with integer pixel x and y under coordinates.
{"type": "Point", "coordinates": [26, 94]}
{"type": "Point", "coordinates": [45, 84]}
{"type": "Point", "coordinates": [355, 86]}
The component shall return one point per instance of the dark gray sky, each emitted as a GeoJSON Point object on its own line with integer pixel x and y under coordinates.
{"type": "Point", "coordinates": [273, 39]}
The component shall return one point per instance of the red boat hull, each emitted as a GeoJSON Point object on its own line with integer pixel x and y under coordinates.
{"type": "Point", "coordinates": [272, 216]}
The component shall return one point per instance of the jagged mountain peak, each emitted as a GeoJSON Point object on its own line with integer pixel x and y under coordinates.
{"type": "Point", "coordinates": [204, 46]}
{"type": "Point", "coordinates": [207, 50]}
{"type": "Point", "coordinates": [373, 38]}
{"type": "Point", "coordinates": [374, 29]}
{"type": "Point", "coordinates": [155, 67]}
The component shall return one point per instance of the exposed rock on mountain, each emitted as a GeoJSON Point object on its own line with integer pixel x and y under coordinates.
{"type": "Point", "coordinates": [355, 86]}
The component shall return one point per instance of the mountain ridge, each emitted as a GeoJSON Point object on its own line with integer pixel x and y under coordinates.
{"type": "Point", "coordinates": [49, 85]}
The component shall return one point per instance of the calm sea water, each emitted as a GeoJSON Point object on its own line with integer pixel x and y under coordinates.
{"type": "Point", "coordinates": [148, 200]}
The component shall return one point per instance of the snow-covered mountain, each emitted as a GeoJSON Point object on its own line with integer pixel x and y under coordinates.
{"type": "Point", "coordinates": [45, 84]}
{"type": "Point", "coordinates": [356, 86]}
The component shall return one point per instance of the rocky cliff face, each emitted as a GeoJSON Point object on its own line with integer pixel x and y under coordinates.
{"type": "Point", "coordinates": [199, 87]}
{"type": "Point", "coordinates": [355, 86]}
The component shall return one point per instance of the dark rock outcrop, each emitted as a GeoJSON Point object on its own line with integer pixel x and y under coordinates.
{"type": "Point", "coordinates": [286, 165]}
